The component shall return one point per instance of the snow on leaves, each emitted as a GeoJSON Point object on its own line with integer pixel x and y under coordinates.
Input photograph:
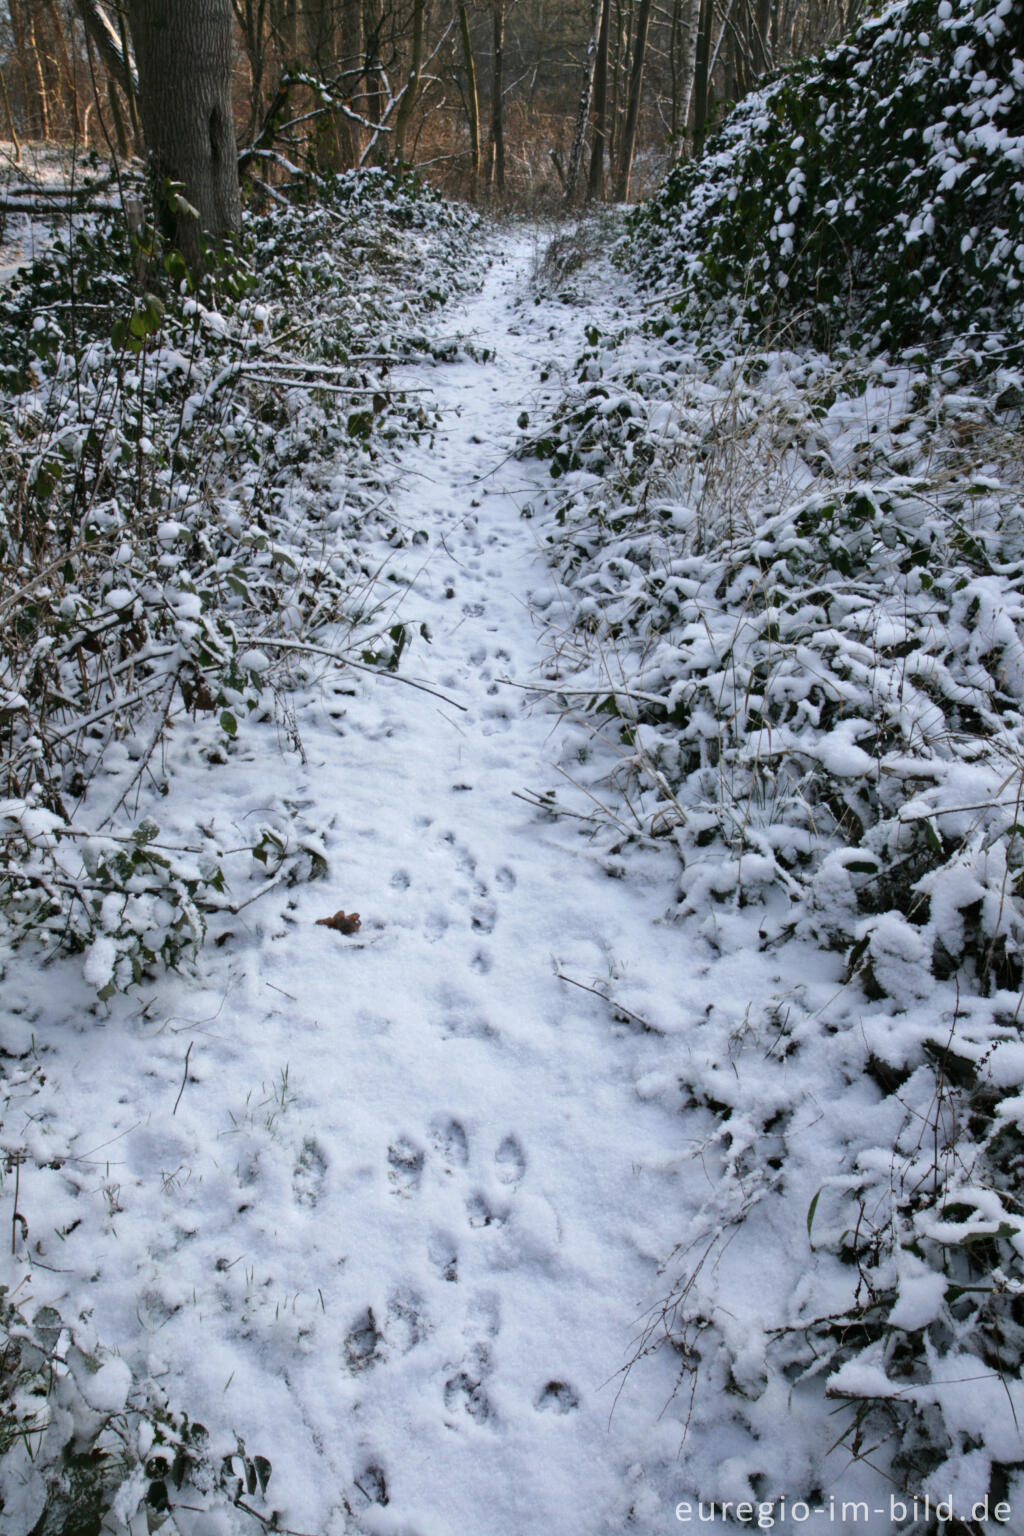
{"type": "Point", "coordinates": [873, 195]}
{"type": "Point", "coordinates": [794, 591]}
{"type": "Point", "coordinates": [188, 478]}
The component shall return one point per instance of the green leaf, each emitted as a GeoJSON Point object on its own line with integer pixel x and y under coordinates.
{"type": "Point", "coordinates": [811, 1211]}
{"type": "Point", "coordinates": [858, 952]}
{"type": "Point", "coordinates": [228, 723]}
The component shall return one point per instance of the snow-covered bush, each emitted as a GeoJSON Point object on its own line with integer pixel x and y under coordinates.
{"type": "Point", "coordinates": [792, 623]}
{"type": "Point", "coordinates": [82, 1450]}
{"type": "Point", "coordinates": [874, 195]}
{"type": "Point", "coordinates": [187, 472]}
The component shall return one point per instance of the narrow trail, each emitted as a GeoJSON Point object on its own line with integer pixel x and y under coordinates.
{"type": "Point", "coordinates": [485, 1161]}
{"type": "Point", "coordinates": [416, 1173]}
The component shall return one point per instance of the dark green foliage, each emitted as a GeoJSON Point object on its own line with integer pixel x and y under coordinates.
{"type": "Point", "coordinates": [875, 195]}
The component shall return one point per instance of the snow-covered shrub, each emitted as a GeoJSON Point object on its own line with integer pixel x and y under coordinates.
{"type": "Point", "coordinates": [791, 621]}
{"type": "Point", "coordinates": [812, 605]}
{"type": "Point", "coordinates": [187, 472]}
{"type": "Point", "coordinates": [875, 194]}
{"type": "Point", "coordinates": [82, 1449]}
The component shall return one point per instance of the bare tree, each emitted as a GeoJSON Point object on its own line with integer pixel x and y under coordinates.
{"type": "Point", "coordinates": [412, 84]}
{"type": "Point", "coordinates": [497, 140]}
{"type": "Point", "coordinates": [472, 98]}
{"type": "Point", "coordinates": [579, 138]}
{"type": "Point", "coordinates": [627, 148]}
{"type": "Point", "coordinates": [595, 185]}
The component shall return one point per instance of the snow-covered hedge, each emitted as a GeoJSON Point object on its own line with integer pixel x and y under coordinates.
{"type": "Point", "coordinates": [191, 480]}
{"type": "Point", "coordinates": [875, 194]}
{"type": "Point", "coordinates": [187, 473]}
{"type": "Point", "coordinates": [791, 622]}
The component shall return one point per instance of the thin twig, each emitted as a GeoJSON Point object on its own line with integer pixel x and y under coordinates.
{"type": "Point", "coordinates": [358, 666]}
{"type": "Point", "coordinates": [619, 1007]}
{"type": "Point", "coordinates": [184, 1079]}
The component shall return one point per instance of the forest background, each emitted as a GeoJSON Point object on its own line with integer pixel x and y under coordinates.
{"type": "Point", "coordinates": [540, 101]}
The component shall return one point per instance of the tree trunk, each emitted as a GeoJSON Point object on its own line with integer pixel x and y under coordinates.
{"type": "Point", "coordinates": [376, 105]}
{"type": "Point", "coordinates": [702, 59]}
{"type": "Point", "coordinates": [183, 56]}
{"type": "Point", "coordinates": [351, 78]}
{"type": "Point", "coordinates": [412, 85]}
{"type": "Point", "coordinates": [472, 100]}
{"type": "Point", "coordinates": [595, 184]}
{"type": "Point", "coordinates": [23, 29]}
{"type": "Point", "coordinates": [102, 32]}
{"type": "Point", "coordinates": [498, 99]}
{"type": "Point", "coordinates": [762, 51]}
{"type": "Point", "coordinates": [11, 130]}
{"type": "Point", "coordinates": [579, 138]}
{"type": "Point", "coordinates": [251, 17]}
{"type": "Point", "coordinates": [636, 80]}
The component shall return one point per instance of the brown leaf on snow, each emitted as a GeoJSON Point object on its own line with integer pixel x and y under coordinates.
{"type": "Point", "coordinates": [343, 922]}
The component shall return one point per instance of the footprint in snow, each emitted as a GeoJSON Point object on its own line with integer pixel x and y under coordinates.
{"type": "Point", "coordinates": [481, 1213]}
{"type": "Point", "coordinates": [363, 1342]}
{"type": "Point", "coordinates": [483, 917]}
{"type": "Point", "coordinates": [435, 926]}
{"type": "Point", "coordinates": [451, 1142]}
{"type": "Point", "coordinates": [510, 1161]}
{"type": "Point", "coordinates": [505, 880]}
{"type": "Point", "coordinates": [556, 1397]}
{"type": "Point", "coordinates": [498, 718]}
{"type": "Point", "coordinates": [406, 1323]}
{"type": "Point", "coordinates": [443, 1254]}
{"type": "Point", "coordinates": [464, 1390]}
{"type": "Point", "coordinates": [372, 1485]}
{"type": "Point", "coordinates": [400, 880]}
{"type": "Point", "coordinates": [405, 1166]}
{"type": "Point", "coordinates": [309, 1174]}
{"type": "Point", "coordinates": [451, 1152]}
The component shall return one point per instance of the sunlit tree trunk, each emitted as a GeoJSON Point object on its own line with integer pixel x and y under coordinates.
{"type": "Point", "coordinates": [497, 163]}
{"type": "Point", "coordinates": [627, 149]}
{"type": "Point", "coordinates": [27, 52]}
{"type": "Point", "coordinates": [472, 99]}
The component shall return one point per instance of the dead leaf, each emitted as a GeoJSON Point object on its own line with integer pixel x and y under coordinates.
{"type": "Point", "coordinates": [342, 922]}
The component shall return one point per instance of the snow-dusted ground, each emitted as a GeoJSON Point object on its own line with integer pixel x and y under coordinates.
{"type": "Point", "coordinates": [40, 168]}
{"type": "Point", "coordinates": [400, 1228]}
{"type": "Point", "coordinates": [400, 1208]}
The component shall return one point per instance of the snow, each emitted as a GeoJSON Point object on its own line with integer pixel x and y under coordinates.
{"type": "Point", "coordinates": [526, 1203]}
{"type": "Point", "coordinates": [400, 1224]}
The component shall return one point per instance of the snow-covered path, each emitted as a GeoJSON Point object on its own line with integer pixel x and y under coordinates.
{"type": "Point", "coordinates": [395, 1217]}
{"type": "Point", "coordinates": [472, 1168]}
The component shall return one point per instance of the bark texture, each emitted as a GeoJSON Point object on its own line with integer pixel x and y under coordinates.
{"type": "Point", "coordinates": [598, 148]}
{"type": "Point", "coordinates": [183, 59]}
{"type": "Point", "coordinates": [579, 138]}
{"type": "Point", "coordinates": [498, 99]}
{"type": "Point", "coordinates": [472, 99]}
{"type": "Point", "coordinates": [636, 81]}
